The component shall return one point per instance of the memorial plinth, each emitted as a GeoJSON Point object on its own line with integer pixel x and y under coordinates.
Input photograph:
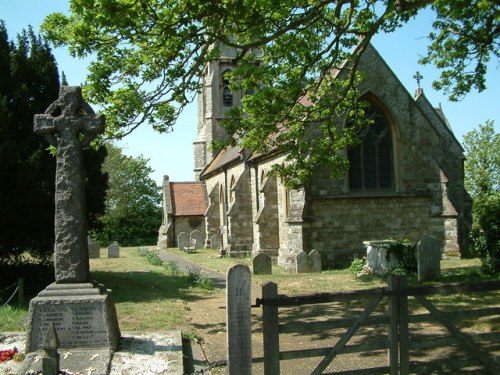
{"type": "Point", "coordinates": [83, 315]}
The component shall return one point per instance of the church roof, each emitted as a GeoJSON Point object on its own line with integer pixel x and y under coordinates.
{"type": "Point", "coordinates": [188, 198]}
{"type": "Point", "coordinates": [224, 158]}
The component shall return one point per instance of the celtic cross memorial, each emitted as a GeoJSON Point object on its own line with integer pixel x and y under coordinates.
{"type": "Point", "coordinates": [70, 124]}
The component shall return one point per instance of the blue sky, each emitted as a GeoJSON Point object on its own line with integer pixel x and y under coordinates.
{"type": "Point", "coordinates": [172, 154]}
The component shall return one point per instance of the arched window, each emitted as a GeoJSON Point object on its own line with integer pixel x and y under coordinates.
{"type": "Point", "coordinates": [232, 189]}
{"type": "Point", "coordinates": [227, 95]}
{"type": "Point", "coordinates": [371, 161]}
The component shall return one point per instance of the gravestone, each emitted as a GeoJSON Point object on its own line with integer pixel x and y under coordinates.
{"type": "Point", "coordinates": [428, 259]}
{"type": "Point", "coordinates": [301, 262]}
{"type": "Point", "coordinates": [215, 241]}
{"type": "Point", "coordinates": [306, 263]}
{"type": "Point", "coordinates": [314, 261]}
{"type": "Point", "coordinates": [82, 312]}
{"type": "Point", "coordinates": [114, 250]}
{"type": "Point", "coordinates": [182, 240]}
{"type": "Point", "coordinates": [262, 264]}
{"type": "Point", "coordinates": [196, 235]}
{"type": "Point", "coordinates": [94, 249]}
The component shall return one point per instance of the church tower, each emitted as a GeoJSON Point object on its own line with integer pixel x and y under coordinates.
{"type": "Point", "coordinates": [213, 101]}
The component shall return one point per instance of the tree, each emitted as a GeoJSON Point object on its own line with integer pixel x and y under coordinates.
{"type": "Point", "coordinates": [133, 212]}
{"type": "Point", "coordinates": [150, 56]}
{"type": "Point", "coordinates": [29, 84]}
{"type": "Point", "coordinates": [482, 161]}
{"type": "Point", "coordinates": [482, 180]}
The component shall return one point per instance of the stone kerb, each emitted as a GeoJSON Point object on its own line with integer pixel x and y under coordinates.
{"type": "Point", "coordinates": [428, 259]}
{"type": "Point", "coordinates": [262, 264]}
{"type": "Point", "coordinates": [198, 236]}
{"type": "Point", "coordinates": [114, 250]}
{"type": "Point", "coordinates": [182, 240]}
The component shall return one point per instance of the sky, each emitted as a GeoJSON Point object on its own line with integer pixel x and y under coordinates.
{"type": "Point", "coordinates": [172, 154]}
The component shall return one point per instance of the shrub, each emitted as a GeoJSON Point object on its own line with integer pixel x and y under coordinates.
{"type": "Point", "coordinates": [405, 253]}
{"type": "Point", "coordinates": [172, 268]}
{"type": "Point", "coordinates": [196, 279]}
{"type": "Point", "coordinates": [485, 233]}
{"type": "Point", "coordinates": [357, 265]}
{"type": "Point", "coordinates": [151, 256]}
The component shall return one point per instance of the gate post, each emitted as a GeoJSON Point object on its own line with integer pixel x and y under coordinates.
{"type": "Point", "coordinates": [270, 330]}
{"type": "Point", "coordinates": [393, 356]}
{"type": "Point", "coordinates": [404, 339]}
{"type": "Point", "coordinates": [239, 330]}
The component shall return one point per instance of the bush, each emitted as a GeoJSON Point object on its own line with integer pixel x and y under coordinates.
{"type": "Point", "coordinates": [485, 233]}
{"type": "Point", "coordinates": [151, 256]}
{"type": "Point", "coordinates": [195, 279]}
{"type": "Point", "coordinates": [172, 268]}
{"type": "Point", "coordinates": [405, 253]}
{"type": "Point", "coordinates": [357, 265]}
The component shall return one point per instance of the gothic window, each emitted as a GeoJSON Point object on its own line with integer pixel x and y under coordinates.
{"type": "Point", "coordinates": [232, 189]}
{"type": "Point", "coordinates": [371, 161]}
{"type": "Point", "coordinates": [227, 95]}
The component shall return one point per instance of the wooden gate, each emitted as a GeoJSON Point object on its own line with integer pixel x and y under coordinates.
{"type": "Point", "coordinates": [398, 340]}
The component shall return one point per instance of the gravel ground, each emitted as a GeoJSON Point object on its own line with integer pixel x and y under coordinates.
{"type": "Point", "coordinates": [145, 354]}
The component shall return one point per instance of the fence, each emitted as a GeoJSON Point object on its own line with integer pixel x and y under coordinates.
{"type": "Point", "coordinates": [18, 289]}
{"type": "Point", "coordinates": [390, 323]}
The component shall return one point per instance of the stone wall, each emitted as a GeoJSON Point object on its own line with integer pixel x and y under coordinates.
{"type": "Point", "coordinates": [187, 224]}
{"type": "Point", "coordinates": [341, 225]}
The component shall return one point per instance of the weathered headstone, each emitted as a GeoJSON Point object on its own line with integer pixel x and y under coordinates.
{"type": "Point", "coordinates": [182, 240]}
{"type": "Point", "coordinates": [306, 263]}
{"type": "Point", "coordinates": [262, 264]}
{"type": "Point", "coordinates": [196, 235]}
{"type": "Point", "coordinates": [83, 313]}
{"type": "Point", "coordinates": [238, 320]}
{"type": "Point", "coordinates": [215, 241]}
{"type": "Point", "coordinates": [94, 249]}
{"type": "Point", "coordinates": [114, 250]}
{"type": "Point", "coordinates": [301, 262]}
{"type": "Point", "coordinates": [428, 259]}
{"type": "Point", "coordinates": [314, 261]}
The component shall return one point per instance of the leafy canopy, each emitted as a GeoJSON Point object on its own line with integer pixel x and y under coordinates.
{"type": "Point", "coordinates": [150, 55]}
{"type": "Point", "coordinates": [482, 161]}
{"type": "Point", "coordinates": [133, 212]}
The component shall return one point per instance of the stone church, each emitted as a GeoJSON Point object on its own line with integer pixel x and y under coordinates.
{"type": "Point", "coordinates": [406, 181]}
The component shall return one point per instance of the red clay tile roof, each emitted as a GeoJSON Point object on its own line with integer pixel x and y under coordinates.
{"type": "Point", "coordinates": [188, 198]}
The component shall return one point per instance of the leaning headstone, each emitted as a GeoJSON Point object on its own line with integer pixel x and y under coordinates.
{"type": "Point", "coordinates": [83, 313]}
{"type": "Point", "coordinates": [262, 264]}
{"type": "Point", "coordinates": [428, 259]}
{"type": "Point", "coordinates": [314, 261]}
{"type": "Point", "coordinates": [196, 235]}
{"type": "Point", "coordinates": [114, 250]}
{"type": "Point", "coordinates": [94, 249]}
{"type": "Point", "coordinates": [301, 262]}
{"type": "Point", "coordinates": [182, 240]}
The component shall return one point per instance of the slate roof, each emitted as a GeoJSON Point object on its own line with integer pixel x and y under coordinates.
{"type": "Point", "coordinates": [224, 158]}
{"type": "Point", "coordinates": [188, 198]}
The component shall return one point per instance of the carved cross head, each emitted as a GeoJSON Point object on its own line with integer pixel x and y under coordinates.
{"type": "Point", "coordinates": [69, 116]}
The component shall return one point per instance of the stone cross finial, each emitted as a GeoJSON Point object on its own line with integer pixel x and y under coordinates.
{"type": "Point", "coordinates": [418, 77]}
{"type": "Point", "coordinates": [70, 124]}
{"type": "Point", "coordinates": [50, 361]}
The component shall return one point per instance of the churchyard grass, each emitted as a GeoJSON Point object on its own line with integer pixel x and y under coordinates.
{"type": "Point", "coordinates": [152, 297]}
{"type": "Point", "coordinates": [148, 297]}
